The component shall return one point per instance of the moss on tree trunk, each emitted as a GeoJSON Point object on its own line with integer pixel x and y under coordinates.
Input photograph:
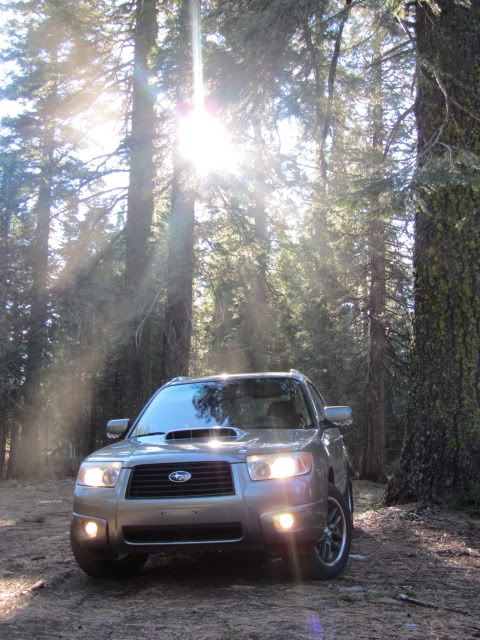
{"type": "Point", "coordinates": [441, 454]}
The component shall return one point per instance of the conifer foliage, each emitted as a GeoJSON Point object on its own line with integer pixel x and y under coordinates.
{"type": "Point", "coordinates": [329, 138]}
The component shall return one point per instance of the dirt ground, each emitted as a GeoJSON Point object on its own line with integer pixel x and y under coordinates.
{"type": "Point", "coordinates": [408, 577]}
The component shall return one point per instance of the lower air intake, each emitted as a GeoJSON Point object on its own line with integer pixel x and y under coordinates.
{"type": "Point", "coordinates": [184, 533]}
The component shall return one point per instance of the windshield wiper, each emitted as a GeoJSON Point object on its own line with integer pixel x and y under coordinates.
{"type": "Point", "coordinates": [152, 433]}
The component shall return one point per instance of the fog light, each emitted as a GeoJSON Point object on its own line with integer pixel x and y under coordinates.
{"type": "Point", "coordinates": [284, 521]}
{"type": "Point", "coordinates": [91, 529]}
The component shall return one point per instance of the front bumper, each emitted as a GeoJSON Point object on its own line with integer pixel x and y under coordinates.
{"type": "Point", "coordinates": [245, 520]}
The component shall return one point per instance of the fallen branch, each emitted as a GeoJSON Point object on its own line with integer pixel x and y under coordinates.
{"type": "Point", "coordinates": [40, 584]}
{"type": "Point", "coordinates": [403, 597]}
{"type": "Point", "coordinates": [35, 586]}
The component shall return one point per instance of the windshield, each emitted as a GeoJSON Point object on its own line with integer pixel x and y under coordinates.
{"type": "Point", "coordinates": [270, 403]}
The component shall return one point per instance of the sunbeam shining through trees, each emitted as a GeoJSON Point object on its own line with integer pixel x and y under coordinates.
{"type": "Point", "coordinates": [190, 188]}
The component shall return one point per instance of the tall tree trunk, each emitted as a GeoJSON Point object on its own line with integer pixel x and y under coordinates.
{"type": "Point", "coordinates": [372, 464]}
{"type": "Point", "coordinates": [140, 209]}
{"type": "Point", "coordinates": [259, 325]}
{"type": "Point", "coordinates": [441, 453]}
{"type": "Point", "coordinates": [7, 199]}
{"type": "Point", "coordinates": [325, 122]}
{"type": "Point", "coordinates": [177, 335]}
{"type": "Point", "coordinates": [178, 312]}
{"type": "Point", "coordinates": [324, 108]}
{"type": "Point", "coordinates": [221, 354]}
{"type": "Point", "coordinates": [28, 462]}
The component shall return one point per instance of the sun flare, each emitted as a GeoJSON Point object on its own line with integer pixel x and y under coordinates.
{"type": "Point", "coordinates": [206, 144]}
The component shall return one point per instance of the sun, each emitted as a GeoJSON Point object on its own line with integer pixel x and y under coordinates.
{"type": "Point", "coordinates": [205, 143]}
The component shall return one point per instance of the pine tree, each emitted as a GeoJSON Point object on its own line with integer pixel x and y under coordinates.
{"type": "Point", "coordinates": [372, 462]}
{"type": "Point", "coordinates": [136, 366]}
{"type": "Point", "coordinates": [441, 451]}
{"type": "Point", "coordinates": [57, 77]}
{"type": "Point", "coordinates": [177, 330]}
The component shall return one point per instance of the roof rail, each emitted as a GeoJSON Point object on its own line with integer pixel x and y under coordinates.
{"type": "Point", "coordinates": [177, 379]}
{"type": "Point", "coordinates": [297, 372]}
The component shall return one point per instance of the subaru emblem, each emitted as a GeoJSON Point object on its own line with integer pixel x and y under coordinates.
{"type": "Point", "coordinates": [179, 476]}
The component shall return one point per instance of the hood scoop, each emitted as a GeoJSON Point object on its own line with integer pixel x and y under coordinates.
{"type": "Point", "coordinates": [205, 434]}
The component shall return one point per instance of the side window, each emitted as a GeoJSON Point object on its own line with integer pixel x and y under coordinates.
{"type": "Point", "coordinates": [301, 409]}
{"type": "Point", "coordinates": [317, 400]}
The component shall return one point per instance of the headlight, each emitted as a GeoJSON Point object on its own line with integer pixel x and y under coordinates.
{"type": "Point", "coordinates": [274, 465]}
{"type": "Point", "coordinates": [99, 474]}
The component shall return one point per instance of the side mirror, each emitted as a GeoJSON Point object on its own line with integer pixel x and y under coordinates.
{"type": "Point", "coordinates": [116, 428]}
{"type": "Point", "coordinates": [339, 416]}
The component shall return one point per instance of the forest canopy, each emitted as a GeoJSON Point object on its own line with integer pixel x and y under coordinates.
{"type": "Point", "coordinates": [195, 187]}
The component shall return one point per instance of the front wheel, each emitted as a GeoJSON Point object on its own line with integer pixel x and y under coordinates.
{"type": "Point", "coordinates": [349, 498]}
{"type": "Point", "coordinates": [328, 555]}
{"type": "Point", "coordinates": [104, 567]}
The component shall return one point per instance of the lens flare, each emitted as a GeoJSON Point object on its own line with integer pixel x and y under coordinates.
{"type": "Point", "coordinates": [284, 521]}
{"type": "Point", "coordinates": [93, 477]}
{"type": "Point", "coordinates": [285, 467]}
{"type": "Point", "coordinates": [91, 529]}
{"type": "Point", "coordinates": [205, 143]}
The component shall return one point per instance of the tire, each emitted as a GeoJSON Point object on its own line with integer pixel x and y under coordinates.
{"type": "Point", "coordinates": [97, 566]}
{"type": "Point", "coordinates": [329, 554]}
{"type": "Point", "coordinates": [349, 498]}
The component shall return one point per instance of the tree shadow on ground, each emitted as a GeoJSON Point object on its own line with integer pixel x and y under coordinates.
{"type": "Point", "coordinates": [433, 559]}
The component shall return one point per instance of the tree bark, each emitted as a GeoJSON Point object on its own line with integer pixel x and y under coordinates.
{"type": "Point", "coordinates": [372, 464]}
{"type": "Point", "coordinates": [177, 335]}
{"type": "Point", "coordinates": [140, 209]}
{"type": "Point", "coordinates": [441, 454]}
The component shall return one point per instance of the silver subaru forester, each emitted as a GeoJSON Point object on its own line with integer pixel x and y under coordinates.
{"type": "Point", "coordinates": [247, 461]}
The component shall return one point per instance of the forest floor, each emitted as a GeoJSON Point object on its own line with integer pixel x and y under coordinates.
{"type": "Point", "coordinates": [408, 577]}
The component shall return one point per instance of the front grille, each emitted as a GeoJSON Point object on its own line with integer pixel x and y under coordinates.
{"type": "Point", "coordinates": [184, 533]}
{"type": "Point", "coordinates": [207, 479]}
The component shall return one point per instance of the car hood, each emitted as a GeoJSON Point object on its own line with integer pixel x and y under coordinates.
{"type": "Point", "coordinates": [154, 449]}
